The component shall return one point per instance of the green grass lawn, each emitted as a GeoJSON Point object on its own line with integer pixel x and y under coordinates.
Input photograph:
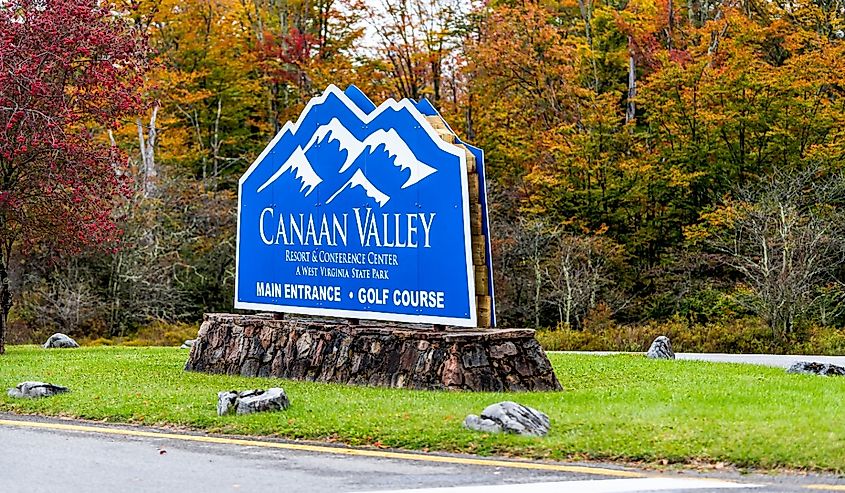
{"type": "Point", "coordinates": [614, 407]}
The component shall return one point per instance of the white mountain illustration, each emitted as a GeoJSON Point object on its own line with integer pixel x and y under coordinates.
{"type": "Point", "coordinates": [336, 131]}
{"type": "Point", "coordinates": [299, 163]}
{"type": "Point", "coordinates": [360, 180]}
{"type": "Point", "coordinates": [395, 146]}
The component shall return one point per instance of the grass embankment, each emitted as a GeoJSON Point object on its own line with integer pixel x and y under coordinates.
{"type": "Point", "coordinates": [614, 407]}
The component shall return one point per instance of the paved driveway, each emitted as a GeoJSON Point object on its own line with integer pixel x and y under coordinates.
{"type": "Point", "coordinates": [778, 360]}
{"type": "Point", "coordinates": [49, 455]}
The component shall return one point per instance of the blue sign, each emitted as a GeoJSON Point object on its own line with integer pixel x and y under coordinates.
{"type": "Point", "coordinates": [357, 211]}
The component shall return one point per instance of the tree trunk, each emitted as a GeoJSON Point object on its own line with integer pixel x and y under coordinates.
{"type": "Point", "coordinates": [215, 144]}
{"type": "Point", "coordinates": [694, 13]}
{"type": "Point", "coordinates": [537, 284]}
{"type": "Point", "coordinates": [148, 166]}
{"type": "Point", "coordinates": [470, 131]}
{"type": "Point", "coordinates": [670, 30]}
{"type": "Point", "coordinates": [5, 301]}
{"type": "Point", "coordinates": [3, 319]}
{"type": "Point", "coordinates": [630, 108]}
{"type": "Point", "coordinates": [587, 16]}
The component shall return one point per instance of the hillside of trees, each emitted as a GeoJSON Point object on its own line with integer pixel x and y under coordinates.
{"type": "Point", "coordinates": [651, 163]}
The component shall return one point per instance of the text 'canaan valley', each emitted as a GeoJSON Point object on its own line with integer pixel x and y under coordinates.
{"type": "Point", "coordinates": [409, 230]}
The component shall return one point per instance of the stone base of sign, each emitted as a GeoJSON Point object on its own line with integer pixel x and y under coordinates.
{"type": "Point", "coordinates": [372, 353]}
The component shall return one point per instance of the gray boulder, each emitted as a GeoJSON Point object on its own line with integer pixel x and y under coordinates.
{"type": "Point", "coordinates": [33, 390]}
{"type": "Point", "coordinates": [273, 399]}
{"type": "Point", "coordinates": [188, 344]}
{"type": "Point", "coordinates": [509, 417]}
{"type": "Point", "coordinates": [226, 402]}
{"type": "Point", "coordinates": [476, 423]}
{"type": "Point", "coordinates": [252, 401]}
{"type": "Point", "coordinates": [813, 368]}
{"type": "Point", "coordinates": [60, 341]}
{"type": "Point", "coordinates": [661, 348]}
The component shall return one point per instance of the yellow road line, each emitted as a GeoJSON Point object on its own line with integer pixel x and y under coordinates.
{"type": "Point", "coordinates": [826, 487]}
{"type": "Point", "coordinates": [327, 450]}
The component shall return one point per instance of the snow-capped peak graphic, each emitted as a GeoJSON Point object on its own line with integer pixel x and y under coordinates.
{"type": "Point", "coordinates": [335, 131]}
{"type": "Point", "coordinates": [359, 180]}
{"type": "Point", "coordinates": [304, 172]}
{"type": "Point", "coordinates": [357, 142]}
{"type": "Point", "coordinates": [395, 147]}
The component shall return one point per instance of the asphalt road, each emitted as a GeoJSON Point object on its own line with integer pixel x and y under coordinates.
{"type": "Point", "coordinates": [48, 455]}
{"type": "Point", "coordinates": [777, 360]}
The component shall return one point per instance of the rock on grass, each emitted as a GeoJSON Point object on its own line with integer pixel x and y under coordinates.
{"type": "Point", "coordinates": [33, 390]}
{"type": "Point", "coordinates": [60, 341]}
{"type": "Point", "coordinates": [661, 348]}
{"type": "Point", "coordinates": [509, 417]}
{"type": "Point", "coordinates": [252, 401]}
{"type": "Point", "coordinates": [813, 368]}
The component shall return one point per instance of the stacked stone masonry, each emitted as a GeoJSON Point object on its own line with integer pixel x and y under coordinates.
{"type": "Point", "coordinates": [376, 355]}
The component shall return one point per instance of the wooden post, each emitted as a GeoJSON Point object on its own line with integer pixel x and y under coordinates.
{"type": "Point", "coordinates": [476, 220]}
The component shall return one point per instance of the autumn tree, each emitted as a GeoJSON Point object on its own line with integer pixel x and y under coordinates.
{"type": "Point", "coordinates": [417, 40]}
{"type": "Point", "coordinates": [785, 236]}
{"type": "Point", "coordinates": [577, 273]}
{"type": "Point", "coordinates": [632, 118]}
{"type": "Point", "coordinates": [67, 68]}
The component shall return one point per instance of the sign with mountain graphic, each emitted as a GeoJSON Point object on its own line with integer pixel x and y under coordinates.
{"type": "Point", "coordinates": [357, 211]}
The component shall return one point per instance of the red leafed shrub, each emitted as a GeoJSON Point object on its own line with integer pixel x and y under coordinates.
{"type": "Point", "coordinates": [67, 69]}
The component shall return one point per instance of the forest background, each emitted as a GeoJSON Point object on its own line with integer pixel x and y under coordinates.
{"type": "Point", "coordinates": [654, 167]}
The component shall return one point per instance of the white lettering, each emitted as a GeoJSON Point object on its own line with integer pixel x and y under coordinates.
{"type": "Point", "coordinates": [427, 228]}
{"type": "Point", "coordinates": [392, 230]}
{"type": "Point", "coordinates": [296, 229]}
{"type": "Point", "coordinates": [373, 232]}
{"type": "Point", "coordinates": [338, 229]}
{"type": "Point", "coordinates": [361, 226]}
{"type": "Point", "coordinates": [398, 241]}
{"type": "Point", "coordinates": [412, 231]}
{"type": "Point", "coordinates": [261, 226]}
{"type": "Point", "coordinates": [424, 299]}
